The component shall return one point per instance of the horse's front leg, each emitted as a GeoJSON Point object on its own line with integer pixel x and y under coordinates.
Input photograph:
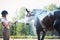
{"type": "Point", "coordinates": [43, 35]}
{"type": "Point", "coordinates": [38, 34]}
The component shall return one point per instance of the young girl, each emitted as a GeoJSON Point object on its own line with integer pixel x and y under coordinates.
{"type": "Point", "coordinates": [6, 25]}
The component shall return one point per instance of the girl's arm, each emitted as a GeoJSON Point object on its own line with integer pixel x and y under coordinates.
{"type": "Point", "coordinates": [5, 24]}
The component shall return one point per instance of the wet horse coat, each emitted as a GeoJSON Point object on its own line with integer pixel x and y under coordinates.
{"type": "Point", "coordinates": [48, 23]}
{"type": "Point", "coordinates": [44, 23]}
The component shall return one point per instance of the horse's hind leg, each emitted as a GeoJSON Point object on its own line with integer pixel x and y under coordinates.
{"type": "Point", "coordinates": [58, 33]}
{"type": "Point", "coordinates": [43, 35]}
{"type": "Point", "coordinates": [57, 27]}
{"type": "Point", "coordinates": [38, 34]}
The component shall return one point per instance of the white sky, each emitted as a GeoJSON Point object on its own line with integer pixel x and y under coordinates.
{"type": "Point", "coordinates": [12, 5]}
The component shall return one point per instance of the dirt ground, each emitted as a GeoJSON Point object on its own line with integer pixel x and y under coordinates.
{"type": "Point", "coordinates": [30, 39]}
{"type": "Point", "coordinates": [36, 39]}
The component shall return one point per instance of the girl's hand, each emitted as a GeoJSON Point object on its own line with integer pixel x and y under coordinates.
{"type": "Point", "coordinates": [11, 23]}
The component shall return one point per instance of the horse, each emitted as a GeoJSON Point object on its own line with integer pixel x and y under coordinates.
{"type": "Point", "coordinates": [45, 24]}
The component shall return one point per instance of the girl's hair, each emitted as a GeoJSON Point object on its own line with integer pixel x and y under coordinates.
{"type": "Point", "coordinates": [4, 12]}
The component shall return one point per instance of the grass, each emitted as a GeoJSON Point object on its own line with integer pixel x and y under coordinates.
{"type": "Point", "coordinates": [1, 39]}
{"type": "Point", "coordinates": [33, 37]}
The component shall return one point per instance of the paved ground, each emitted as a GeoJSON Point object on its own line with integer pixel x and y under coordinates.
{"type": "Point", "coordinates": [31, 39]}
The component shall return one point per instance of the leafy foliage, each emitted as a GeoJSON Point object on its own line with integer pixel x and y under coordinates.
{"type": "Point", "coordinates": [50, 7]}
{"type": "Point", "coordinates": [19, 28]}
{"type": "Point", "coordinates": [0, 28]}
{"type": "Point", "coordinates": [22, 13]}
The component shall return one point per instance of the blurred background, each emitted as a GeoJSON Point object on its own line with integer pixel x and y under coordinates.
{"type": "Point", "coordinates": [16, 10]}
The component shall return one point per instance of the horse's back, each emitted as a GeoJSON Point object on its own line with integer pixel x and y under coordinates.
{"type": "Point", "coordinates": [46, 19]}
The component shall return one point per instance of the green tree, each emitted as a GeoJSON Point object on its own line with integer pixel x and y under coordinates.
{"type": "Point", "coordinates": [0, 28]}
{"type": "Point", "coordinates": [50, 7]}
{"type": "Point", "coordinates": [22, 12]}
{"type": "Point", "coordinates": [19, 28]}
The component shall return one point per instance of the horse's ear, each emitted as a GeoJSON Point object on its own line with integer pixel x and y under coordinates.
{"type": "Point", "coordinates": [27, 10]}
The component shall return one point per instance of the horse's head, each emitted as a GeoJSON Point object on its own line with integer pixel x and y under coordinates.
{"type": "Point", "coordinates": [28, 13]}
{"type": "Point", "coordinates": [29, 16]}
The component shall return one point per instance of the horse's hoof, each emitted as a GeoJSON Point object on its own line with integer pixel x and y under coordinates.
{"type": "Point", "coordinates": [42, 39]}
